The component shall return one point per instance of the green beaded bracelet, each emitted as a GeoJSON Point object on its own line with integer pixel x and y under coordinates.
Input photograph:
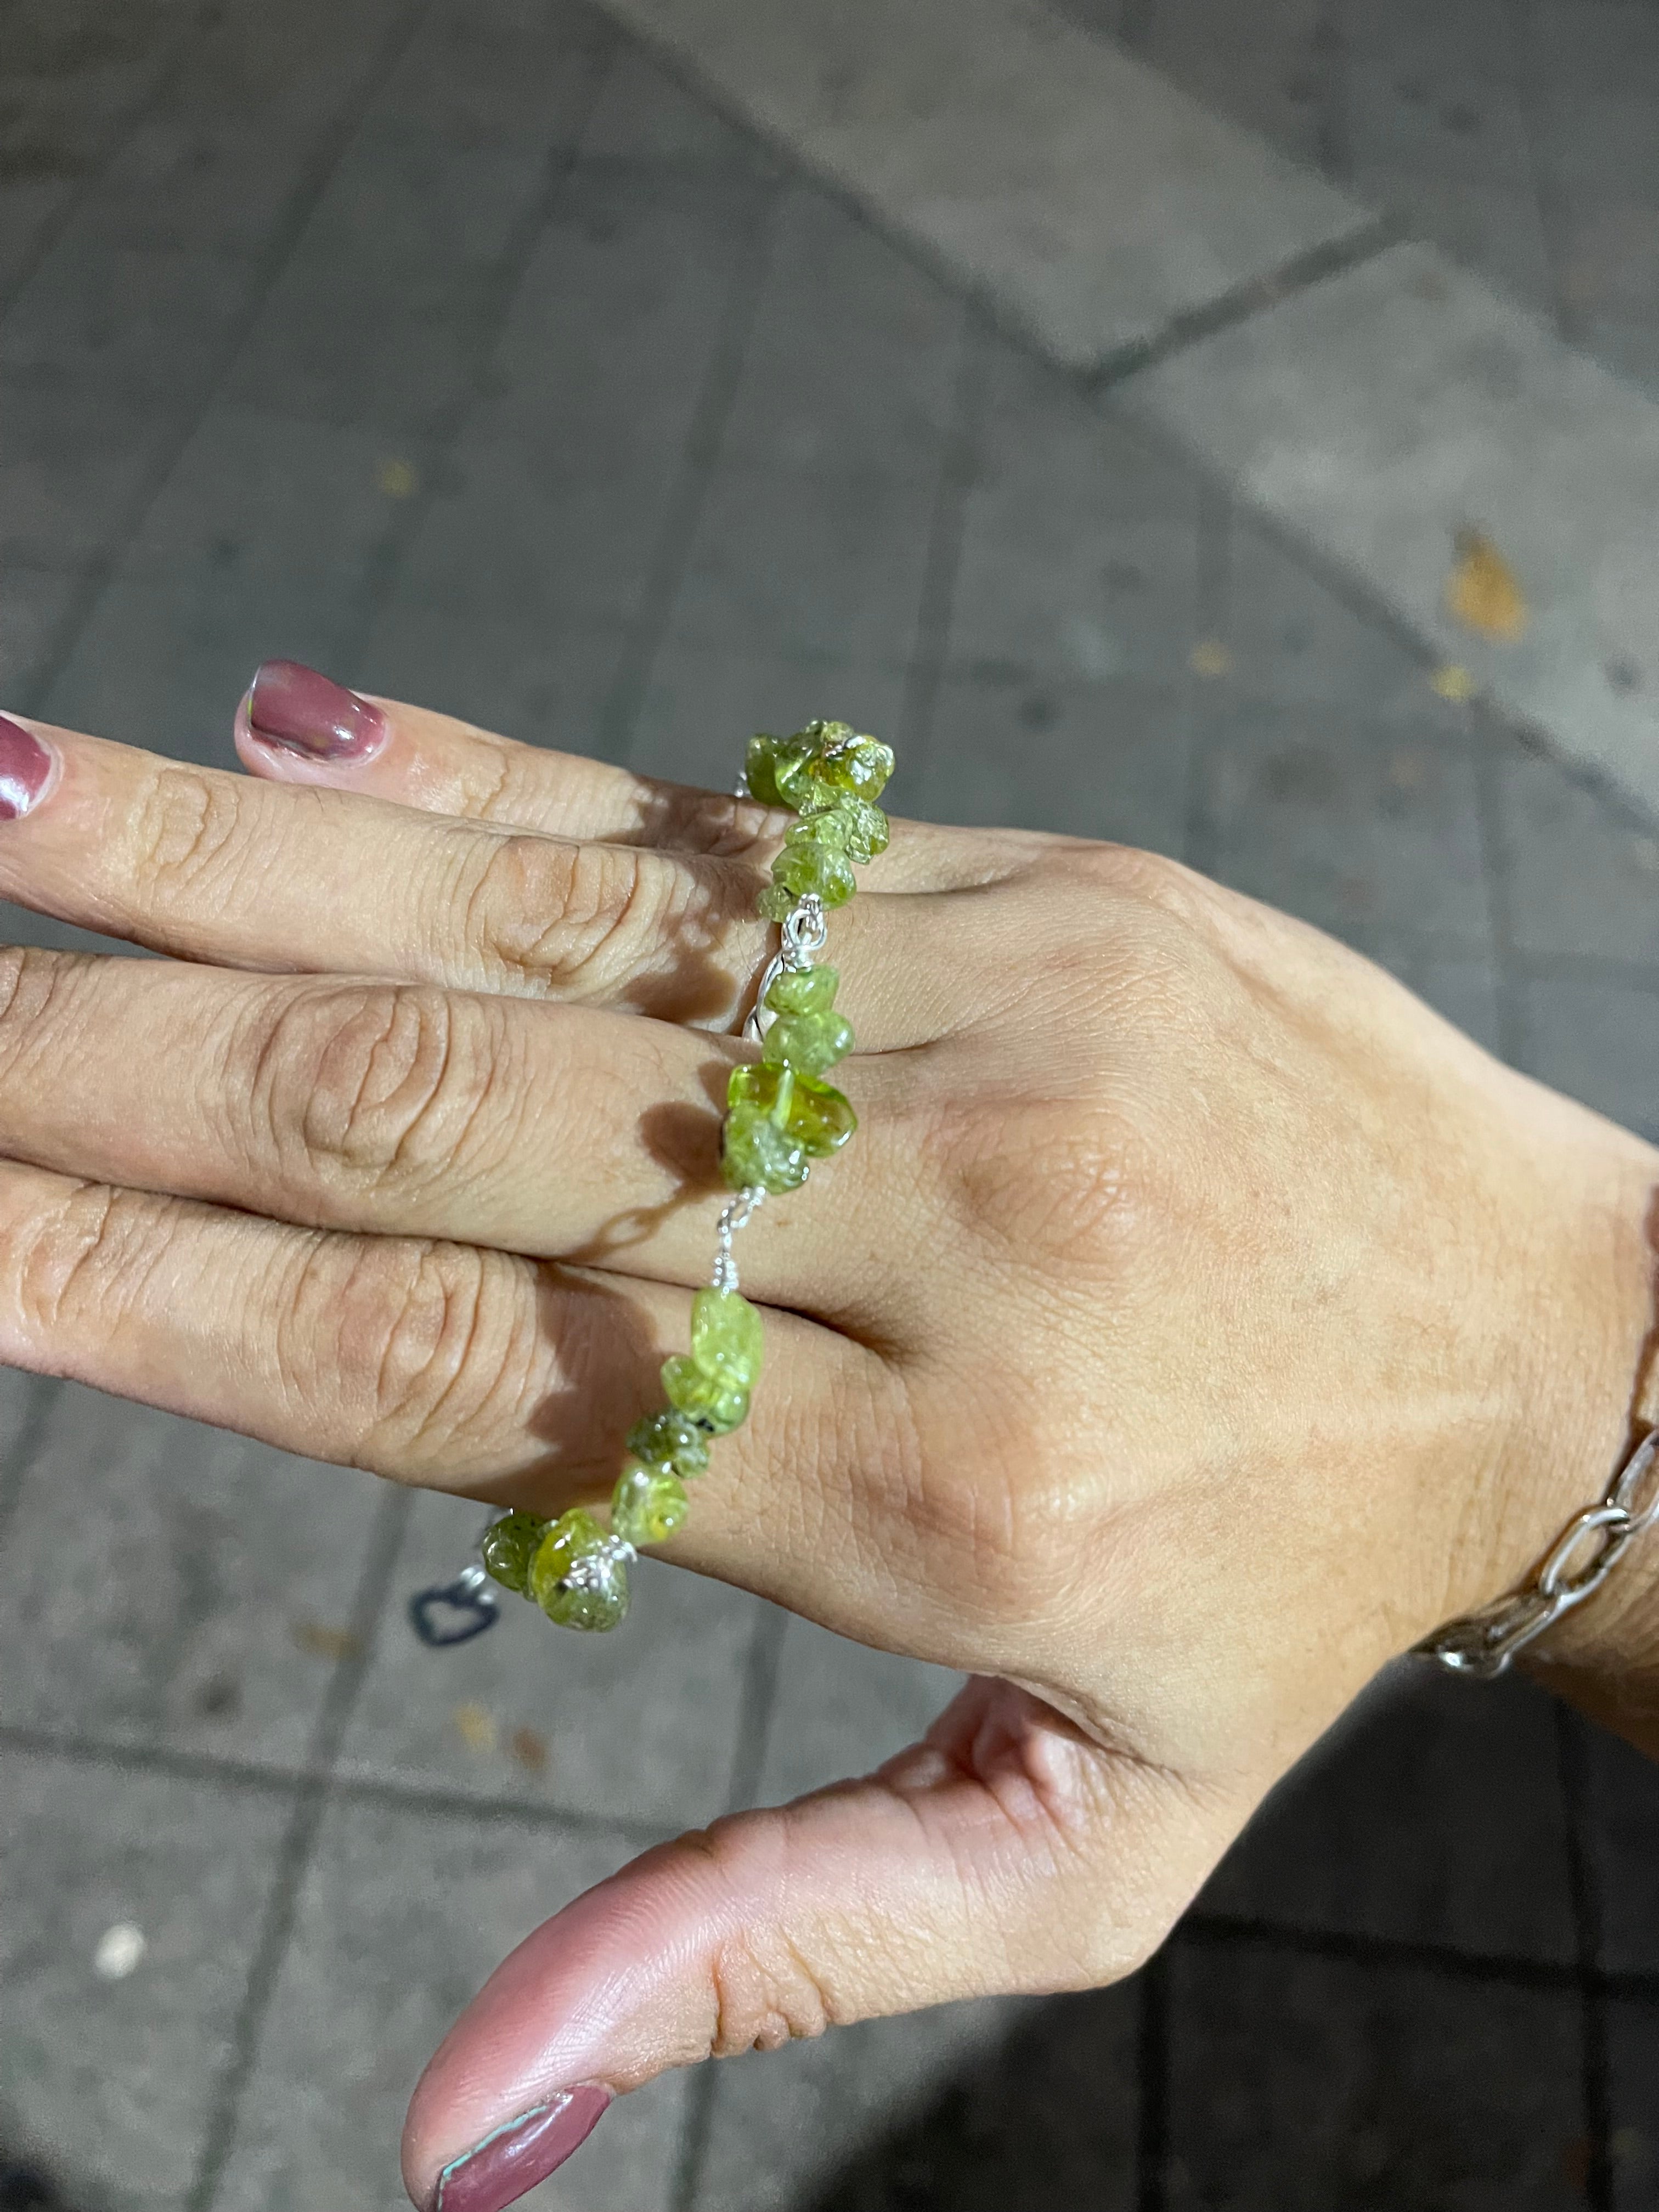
{"type": "Point", "coordinates": [780, 1115]}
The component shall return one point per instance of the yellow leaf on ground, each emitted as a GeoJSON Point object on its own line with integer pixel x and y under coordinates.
{"type": "Point", "coordinates": [1210, 657]}
{"type": "Point", "coordinates": [318, 1640]}
{"type": "Point", "coordinates": [475, 1728]}
{"type": "Point", "coordinates": [1481, 591]}
{"type": "Point", "coordinates": [1452, 681]}
{"type": "Point", "coordinates": [397, 479]}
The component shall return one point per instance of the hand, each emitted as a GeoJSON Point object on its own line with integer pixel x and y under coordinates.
{"type": "Point", "coordinates": [1195, 1323]}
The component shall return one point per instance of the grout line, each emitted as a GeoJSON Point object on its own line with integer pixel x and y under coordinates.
{"type": "Point", "coordinates": [1135, 24]}
{"type": "Point", "coordinates": [1553, 216]}
{"type": "Point", "coordinates": [958, 467]}
{"type": "Point", "coordinates": [486, 331]}
{"type": "Point", "coordinates": [1337, 256]}
{"type": "Point", "coordinates": [1587, 1919]}
{"type": "Point", "coordinates": [1495, 867]}
{"type": "Point", "coordinates": [1212, 618]}
{"type": "Point", "coordinates": [1153, 2077]}
{"type": "Point", "coordinates": [26, 1450]}
{"type": "Point", "coordinates": [1330, 45]}
{"type": "Point", "coordinates": [756, 1700]}
{"type": "Point", "coordinates": [426, 1799]}
{"type": "Point", "coordinates": [298, 1846]}
{"type": "Point", "coordinates": [271, 263]}
{"type": "Point", "coordinates": [619, 716]}
{"type": "Point", "coordinates": [202, 26]}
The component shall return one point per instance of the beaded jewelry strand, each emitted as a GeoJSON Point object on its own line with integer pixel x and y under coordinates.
{"type": "Point", "coordinates": [780, 1115]}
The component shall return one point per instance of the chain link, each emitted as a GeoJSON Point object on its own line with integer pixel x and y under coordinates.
{"type": "Point", "coordinates": [1482, 1643]}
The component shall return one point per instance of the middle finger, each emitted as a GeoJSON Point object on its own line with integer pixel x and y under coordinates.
{"type": "Point", "coordinates": [555, 1132]}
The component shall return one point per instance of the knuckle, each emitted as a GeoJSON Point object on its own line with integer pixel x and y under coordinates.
{"type": "Point", "coordinates": [764, 1991]}
{"type": "Point", "coordinates": [89, 1258]}
{"type": "Point", "coordinates": [32, 986]}
{"type": "Point", "coordinates": [436, 1343]}
{"type": "Point", "coordinates": [564, 919]}
{"type": "Point", "coordinates": [181, 828]}
{"type": "Point", "coordinates": [376, 1086]}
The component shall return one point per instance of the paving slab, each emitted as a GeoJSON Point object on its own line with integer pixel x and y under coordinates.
{"type": "Point", "coordinates": [200, 1603]}
{"type": "Point", "coordinates": [397, 1923]}
{"type": "Point", "coordinates": [1019, 747]}
{"type": "Point", "coordinates": [219, 157]}
{"type": "Point", "coordinates": [1045, 2112]}
{"type": "Point", "coordinates": [106, 2083]}
{"type": "Point", "coordinates": [1300, 2083]}
{"type": "Point", "coordinates": [580, 1724]}
{"type": "Point", "coordinates": [1583, 879]}
{"type": "Point", "coordinates": [855, 354]}
{"type": "Point", "coordinates": [1343, 824]}
{"type": "Point", "coordinates": [1034, 163]}
{"type": "Point", "coordinates": [1385, 410]}
{"type": "Point", "coordinates": [784, 2129]}
{"type": "Point", "coordinates": [1632, 2033]}
{"type": "Point", "coordinates": [1428, 1816]}
{"type": "Point", "coordinates": [697, 701]}
{"type": "Point", "coordinates": [1596, 1038]}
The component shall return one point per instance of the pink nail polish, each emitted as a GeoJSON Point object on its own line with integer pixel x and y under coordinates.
{"type": "Point", "coordinates": [289, 704]}
{"type": "Point", "coordinates": [24, 768]}
{"type": "Point", "coordinates": [504, 2167]}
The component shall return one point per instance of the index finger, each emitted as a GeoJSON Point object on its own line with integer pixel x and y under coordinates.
{"type": "Point", "coordinates": [296, 726]}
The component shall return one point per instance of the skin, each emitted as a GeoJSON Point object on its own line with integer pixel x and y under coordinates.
{"type": "Point", "coordinates": [1196, 1321]}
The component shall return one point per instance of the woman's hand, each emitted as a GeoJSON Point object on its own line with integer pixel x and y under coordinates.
{"type": "Point", "coordinates": [1196, 1321]}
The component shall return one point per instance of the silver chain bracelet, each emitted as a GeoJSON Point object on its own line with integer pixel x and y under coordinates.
{"type": "Point", "coordinates": [1481, 1644]}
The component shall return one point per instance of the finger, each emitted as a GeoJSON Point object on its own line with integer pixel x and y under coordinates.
{"type": "Point", "coordinates": [1006, 1852]}
{"type": "Point", "coordinates": [296, 725]}
{"type": "Point", "coordinates": [220, 868]}
{"type": "Point", "coordinates": [436, 1364]}
{"type": "Point", "coordinates": [397, 1110]}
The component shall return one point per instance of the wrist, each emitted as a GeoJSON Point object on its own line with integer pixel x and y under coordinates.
{"type": "Point", "coordinates": [1585, 1393]}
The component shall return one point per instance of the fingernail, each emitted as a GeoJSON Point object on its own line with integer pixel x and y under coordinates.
{"type": "Point", "coordinates": [501, 2169]}
{"type": "Point", "coordinates": [24, 768]}
{"type": "Point", "coordinates": [289, 704]}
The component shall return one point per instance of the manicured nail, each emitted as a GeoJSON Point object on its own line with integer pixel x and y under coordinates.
{"type": "Point", "coordinates": [504, 2167]}
{"type": "Point", "coordinates": [24, 768]}
{"type": "Point", "coordinates": [292, 705]}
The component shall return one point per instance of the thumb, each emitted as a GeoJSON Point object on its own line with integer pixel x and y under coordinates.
{"type": "Point", "coordinates": [1006, 1852]}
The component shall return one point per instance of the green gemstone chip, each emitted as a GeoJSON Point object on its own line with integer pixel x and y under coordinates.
{"type": "Point", "coordinates": [808, 1042]}
{"type": "Point", "coordinates": [509, 1547]}
{"type": "Point", "coordinates": [671, 1441]}
{"type": "Point", "coordinates": [726, 1338]}
{"type": "Point", "coordinates": [716, 1407]}
{"type": "Point", "coordinates": [597, 1601]}
{"type": "Point", "coordinates": [648, 1504]}
{"type": "Point", "coordinates": [804, 990]}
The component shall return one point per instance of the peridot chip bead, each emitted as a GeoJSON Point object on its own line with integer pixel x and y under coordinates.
{"type": "Point", "coordinates": [670, 1440]}
{"type": "Point", "coordinates": [756, 1153]}
{"type": "Point", "coordinates": [776, 903]}
{"type": "Point", "coordinates": [598, 1599]}
{"type": "Point", "coordinates": [808, 1042]}
{"type": "Point", "coordinates": [804, 990]}
{"type": "Point", "coordinates": [796, 773]}
{"type": "Point", "coordinates": [814, 860]}
{"type": "Point", "coordinates": [821, 1118]}
{"type": "Point", "coordinates": [767, 757]}
{"type": "Point", "coordinates": [715, 1406]}
{"type": "Point", "coordinates": [509, 1548]}
{"type": "Point", "coordinates": [648, 1504]}
{"type": "Point", "coordinates": [726, 1338]}
{"type": "Point", "coordinates": [864, 829]}
{"type": "Point", "coordinates": [845, 763]}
